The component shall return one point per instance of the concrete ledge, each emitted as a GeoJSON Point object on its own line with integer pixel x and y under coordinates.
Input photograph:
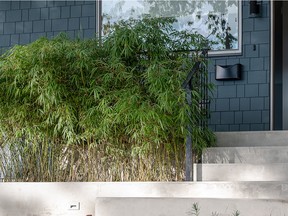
{"type": "Point", "coordinates": [253, 155]}
{"type": "Point", "coordinates": [242, 172]}
{"type": "Point", "coordinates": [252, 138]}
{"type": "Point", "coordinates": [183, 207]}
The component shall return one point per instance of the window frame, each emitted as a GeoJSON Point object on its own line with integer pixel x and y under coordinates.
{"type": "Point", "coordinates": [211, 53]}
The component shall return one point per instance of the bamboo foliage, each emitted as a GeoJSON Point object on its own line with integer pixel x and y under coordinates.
{"type": "Point", "coordinates": [98, 110]}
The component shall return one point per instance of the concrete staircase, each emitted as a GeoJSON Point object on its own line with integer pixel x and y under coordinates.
{"type": "Point", "coordinates": [247, 171]}
{"type": "Point", "coordinates": [255, 161]}
{"type": "Point", "coordinates": [246, 156]}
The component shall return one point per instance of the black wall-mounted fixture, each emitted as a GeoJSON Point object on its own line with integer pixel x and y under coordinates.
{"type": "Point", "coordinates": [228, 72]}
{"type": "Point", "coordinates": [254, 8]}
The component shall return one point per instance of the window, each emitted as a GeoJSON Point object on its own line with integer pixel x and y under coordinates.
{"type": "Point", "coordinates": [218, 20]}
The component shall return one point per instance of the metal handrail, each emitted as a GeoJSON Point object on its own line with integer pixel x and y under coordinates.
{"type": "Point", "coordinates": [188, 86]}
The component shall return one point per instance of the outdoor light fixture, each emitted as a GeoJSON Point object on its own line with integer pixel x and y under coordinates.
{"type": "Point", "coordinates": [254, 8]}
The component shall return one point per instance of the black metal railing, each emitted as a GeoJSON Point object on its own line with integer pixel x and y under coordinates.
{"type": "Point", "coordinates": [197, 80]}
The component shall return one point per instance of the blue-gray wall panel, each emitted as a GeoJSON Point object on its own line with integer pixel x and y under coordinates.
{"type": "Point", "coordinates": [1, 28]}
{"type": "Point", "coordinates": [35, 14]}
{"type": "Point", "coordinates": [38, 4]}
{"type": "Point", "coordinates": [4, 40]}
{"type": "Point", "coordinates": [55, 12]}
{"type": "Point", "coordinates": [234, 104]}
{"type": "Point", "coordinates": [24, 39]}
{"type": "Point", "coordinates": [5, 5]}
{"type": "Point", "coordinates": [39, 26]}
{"type": "Point", "coordinates": [13, 16]}
{"type": "Point", "coordinates": [227, 118]}
{"type": "Point", "coordinates": [19, 27]}
{"type": "Point", "coordinates": [25, 4]}
{"type": "Point", "coordinates": [44, 13]}
{"type": "Point", "coordinates": [14, 39]}
{"type": "Point", "coordinates": [25, 15]}
{"type": "Point", "coordinates": [9, 28]}
{"type": "Point", "coordinates": [28, 27]}
{"type": "Point", "coordinates": [15, 5]}
{"type": "Point", "coordinates": [65, 12]}
{"type": "Point", "coordinates": [75, 11]}
{"type": "Point", "coordinates": [60, 25]}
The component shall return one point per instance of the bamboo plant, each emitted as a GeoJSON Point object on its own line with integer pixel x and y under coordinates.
{"type": "Point", "coordinates": [99, 110]}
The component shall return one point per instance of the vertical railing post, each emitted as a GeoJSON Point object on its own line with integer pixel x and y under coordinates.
{"type": "Point", "coordinates": [189, 153]}
{"type": "Point", "coordinates": [187, 85]}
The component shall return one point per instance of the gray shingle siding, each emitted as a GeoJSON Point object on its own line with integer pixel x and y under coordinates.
{"type": "Point", "coordinates": [244, 104]}
{"type": "Point", "coordinates": [22, 22]}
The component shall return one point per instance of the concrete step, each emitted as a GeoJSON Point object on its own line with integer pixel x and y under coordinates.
{"type": "Point", "coordinates": [216, 189]}
{"type": "Point", "coordinates": [111, 206]}
{"type": "Point", "coordinates": [230, 190]}
{"type": "Point", "coordinates": [254, 155]}
{"type": "Point", "coordinates": [252, 138]}
{"type": "Point", "coordinates": [241, 172]}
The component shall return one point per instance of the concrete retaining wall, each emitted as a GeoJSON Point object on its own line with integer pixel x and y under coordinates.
{"type": "Point", "coordinates": [79, 199]}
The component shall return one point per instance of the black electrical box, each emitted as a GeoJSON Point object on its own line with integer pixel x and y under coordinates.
{"type": "Point", "coordinates": [228, 72]}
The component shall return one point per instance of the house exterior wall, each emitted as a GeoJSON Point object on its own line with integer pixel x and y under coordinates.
{"type": "Point", "coordinates": [244, 105]}
{"type": "Point", "coordinates": [22, 22]}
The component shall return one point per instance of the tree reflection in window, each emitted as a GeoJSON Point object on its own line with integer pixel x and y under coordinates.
{"type": "Point", "coordinates": [218, 20]}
